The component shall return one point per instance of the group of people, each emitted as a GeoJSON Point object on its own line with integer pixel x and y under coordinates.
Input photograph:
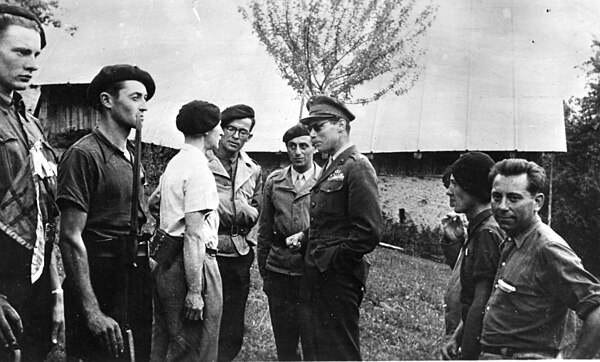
{"type": "Point", "coordinates": [181, 295]}
{"type": "Point", "coordinates": [515, 284]}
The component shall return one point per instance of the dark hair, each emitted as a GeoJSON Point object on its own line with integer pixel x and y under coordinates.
{"type": "Point", "coordinates": [7, 20]}
{"type": "Point", "coordinates": [536, 175]}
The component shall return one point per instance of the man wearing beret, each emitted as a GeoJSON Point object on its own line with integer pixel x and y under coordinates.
{"type": "Point", "coordinates": [31, 300]}
{"type": "Point", "coordinates": [345, 224]}
{"type": "Point", "coordinates": [188, 298]}
{"type": "Point", "coordinates": [285, 205]}
{"type": "Point", "coordinates": [107, 290]}
{"type": "Point", "coordinates": [469, 190]}
{"type": "Point", "coordinates": [239, 184]}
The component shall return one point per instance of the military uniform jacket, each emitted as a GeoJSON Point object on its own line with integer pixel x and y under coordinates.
{"type": "Point", "coordinates": [239, 204]}
{"type": "Point", "coordinates": [345, 218]}
{"type": "Point", "coordinates": [284, 212]}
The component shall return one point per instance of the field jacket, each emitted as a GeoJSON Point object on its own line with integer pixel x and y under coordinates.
{"type": "Point", "coordinates": [284, 212]}
{"type": "Point", "coordinates": [239, 204]}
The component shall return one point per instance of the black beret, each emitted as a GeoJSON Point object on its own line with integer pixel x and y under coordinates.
{"type": "Point", "coordinates": [239, 111]}
{"type": "Point", "coordinates": [296, 131]}
{"type": "Point", "coordinates": [197, 117]}
{"type": "Point", "coordinates": [320, 107]}
{"type": "Point", "coordinates": [111, 74]}
{"type": "Point", "coordinates": [24, 13]}
{"type": "Point", "coordinates": [471, 172]}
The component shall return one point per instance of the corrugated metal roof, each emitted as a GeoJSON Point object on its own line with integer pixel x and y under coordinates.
{"type": "Point", "coordinates": [495, 72]}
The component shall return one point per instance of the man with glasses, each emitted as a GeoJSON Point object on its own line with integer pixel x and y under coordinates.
{"type": "Point", "coordinates": [239, 184]}
{"type": "Point", "coordinates": [345, 224]}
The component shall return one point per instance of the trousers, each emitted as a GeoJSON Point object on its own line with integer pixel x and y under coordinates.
{"type": "Point", "coordinates": [285, 309]}
{"type": "Point", "coordinates": [106, 275]}
{"type": "Point", "coordinates": [174, 338]}
{"type": "Point", "coordinates": [332, 317]}
{"type": "Point", "coordinates": [235, 274]}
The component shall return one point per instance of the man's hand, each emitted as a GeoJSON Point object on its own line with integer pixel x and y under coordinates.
{"type": "Point", "coordinates": [194, 305]}
{"type": "Point", "coordinates": [10, 324]}
{"type": "Point", "coordinates": [58, 320]}
{"type": "Point", "coordinates": [453, 226]}
{"type": "Point", "coordinates": [295, 241]}
{"type": "Point", "coordinates": [107, 331]}
{"type": "Point", "coordinates": [450, 350]}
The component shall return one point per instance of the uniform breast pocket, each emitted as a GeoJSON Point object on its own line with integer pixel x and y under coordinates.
{"type": "Point", "coordinates": [331, 197]}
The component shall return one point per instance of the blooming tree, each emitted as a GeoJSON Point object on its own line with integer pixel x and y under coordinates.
{"type": "Point", "coordinates": [332, 46]}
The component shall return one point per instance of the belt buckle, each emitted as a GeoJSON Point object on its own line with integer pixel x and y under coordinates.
{"type": "Point", "coordinates": [506, 351]}
{"type": "Point", "coordinates": [235, 230]}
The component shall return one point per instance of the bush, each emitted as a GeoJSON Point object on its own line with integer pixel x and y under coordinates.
{"type": "Point", "coordinates": [421, 241]}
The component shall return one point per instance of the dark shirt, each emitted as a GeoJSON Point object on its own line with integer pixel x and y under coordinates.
{"type": "Point", "coordinates": [96, 176]}
{"type": "Point", "coordinates": [18, 132]}
{"type": "Point", "coordinates": [481, 254]}
{"type": "Point", "coordinates": [548, 279]}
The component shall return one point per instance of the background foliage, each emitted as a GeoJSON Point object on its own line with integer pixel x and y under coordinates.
{"type": "Point", "coordinates": [576, 209]}
{"type": "Point", "coordinates": [332, 46]}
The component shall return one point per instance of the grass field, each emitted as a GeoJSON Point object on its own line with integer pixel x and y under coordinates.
{"type": "Point", "coordinates": [401, 314]}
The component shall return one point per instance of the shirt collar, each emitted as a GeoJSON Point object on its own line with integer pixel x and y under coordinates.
{"type": "Point", "coordinates": [308, 174]}
{"type": "Point", "coordinates": [194, 150]}
{"type": "Point", "coordinates": [520, 239]}
{"type": "Point", "coordinates": [480, 218]}
{"type": "Point", "coordinates": [341, 150]}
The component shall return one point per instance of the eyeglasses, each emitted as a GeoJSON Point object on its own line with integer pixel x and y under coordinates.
{"type": "Point", "coordinates": [317, 126]}
{"type": "Point", "coordinates": [231, 130]}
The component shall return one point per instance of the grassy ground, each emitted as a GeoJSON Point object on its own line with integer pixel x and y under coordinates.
{"type": "Point", "coordinates": [401, 314]}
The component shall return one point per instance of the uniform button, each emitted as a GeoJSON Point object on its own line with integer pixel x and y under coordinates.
{"type": "Point", "coordinates": [503, 263]}
{"type": "Point", "coordinates": [496, 286]}
{"type": "Point", "coordinates": [487, 308]}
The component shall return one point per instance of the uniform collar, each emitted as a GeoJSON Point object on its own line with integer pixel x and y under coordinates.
{"type": "Point", "coordinates": [341, 150]}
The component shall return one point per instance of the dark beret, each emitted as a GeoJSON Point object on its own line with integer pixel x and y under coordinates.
{"type": "Point", "coordinates": [239, 111]}
{"type": "Point", "coordinates": [111, 74]}
{"type": "Point", "coordinates": [24, 13]}
{"type": "Point", "coordinates": [320, 107]}
{"type": "Point", "coordinates": [471, 172]}
{"type": "Point", "coordinates": [198, 117]}
{"type": "Point", "coordinates": [296, 131]}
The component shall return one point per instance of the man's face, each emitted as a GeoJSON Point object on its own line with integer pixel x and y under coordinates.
{"type": "Point", "coordinates": [19, 47]}
{"type": "Point", "coordinates": [459, 199]}
{"type": "Point", "coordinates": [129, 104]}
{"type": "Point", "coordinates": [325, 135]}
{"type": "Point", "coordinates": [235, 135]}
{"type": "Point", "coordinates": [212, 138]}
{"type": "Point", "coordinates": [513, 206]}
{"type": "Point", "coordinates": [300, 151]}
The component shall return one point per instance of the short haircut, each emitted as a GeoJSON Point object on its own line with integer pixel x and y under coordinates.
{"type": "Point", "coordinates": [536, 175]}
{"type": "Point", "coordinates": [7, 20]}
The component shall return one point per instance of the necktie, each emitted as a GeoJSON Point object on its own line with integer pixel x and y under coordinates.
{"type": "Point", "coordinates": [299, 182]}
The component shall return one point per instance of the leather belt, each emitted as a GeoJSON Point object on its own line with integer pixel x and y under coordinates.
{"type": "Point", "coordinates": [212, 252]}
{"type": "Point", "coordinates": [509, 351]}
{"type": "Point", "coordinates": [233, 230]}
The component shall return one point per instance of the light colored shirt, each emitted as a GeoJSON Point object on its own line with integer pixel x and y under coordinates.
{"type": "Point", "coordinates": [305, 176]}
{"type": "Point", "coordinates": [187, 186]}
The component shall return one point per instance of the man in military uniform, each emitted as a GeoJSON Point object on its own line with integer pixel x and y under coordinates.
{"type": "Point", "coordinates": [108, 286]}
{"type": "Point", "coordinates": [345, 224]}
{"type": "Point", "coordinates": [239, 185]}
{"type": "Point", "coordinates": [286, 200]}
{"type": "Point", "coordinates": [31, 299]}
